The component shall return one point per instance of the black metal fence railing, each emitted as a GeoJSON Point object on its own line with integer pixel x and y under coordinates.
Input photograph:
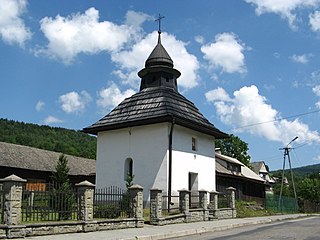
{"type": "Point", "coordinates": [112, 202]}
{"type": "Point", "coordinates": [223, 200]}
{"type": "Point", "coordinates": [170, 204]}
{"type": "Point", "coordinates": [49, 203]}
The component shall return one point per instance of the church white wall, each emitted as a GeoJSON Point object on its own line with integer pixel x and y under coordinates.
{"type": "Point", "coordinates": [185, 160]}
{"type": "Point", "coordinates": [146, 145]}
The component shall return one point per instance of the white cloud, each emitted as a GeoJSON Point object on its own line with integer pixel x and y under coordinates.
{"type": "Point", "coordinates": [12, 27]}
{"type": "Point", "coordinates": [226, 52]}
{"type": "Point", "coordinates": [83, 33]}
{"type": "Point", "coordinates": [40, 105]}
{"type": "Point", "coordinates": [136, 19]}
{"type": "Point", "coordinates": [199, 39]}
{"type": "Point", "coordinates": [52, 120]}
{"type": "Point", "coordinates": [131, 61]}
{"type": "Point", "coordinates": [249, 108]}
{"type": "Point", "coordinates": [316, 90]}
{"type": "Point", "coordinates": [314, 21]}
{"type": "Point", "coordinates": [304, 58]}
{"type": "Point", "coordinates": [284, 8]}
{"type": "Point", "coordinates": [74, 102]}
{"type": "Point", "coordinates": [218, 94]}
{"type": "Point", "coordinates": [111, 96]}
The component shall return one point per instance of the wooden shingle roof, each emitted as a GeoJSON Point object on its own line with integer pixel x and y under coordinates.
{"type": "Point", "coordinates": [158, 101]}
{"type": "Point", "coordinates": [23, 157]}
{"type": "Point", "coordinates": [155, 105]}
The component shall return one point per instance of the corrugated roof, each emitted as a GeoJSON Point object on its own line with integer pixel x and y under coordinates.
{"type": "Point", "coordinates": [17, 156]}
{"type": "Point", "coordinates": [154, 105]}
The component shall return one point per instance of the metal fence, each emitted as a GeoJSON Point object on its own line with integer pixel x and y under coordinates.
{"type": "Point", "coordinates": [49, 203]}
{"type": "Point", "coordinates": [170, 204]}
{"type": "Point", "coordinates": [223, 200]}
{"type": "Point", "coordinates": [286, 205]}
{"type": "Point", "coordinates": [310, 207]}
{"type": "Point", "coordinates": [112, 202]}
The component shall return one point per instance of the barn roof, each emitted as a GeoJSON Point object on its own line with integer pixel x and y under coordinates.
{"type": "Point", "coordinates": [23, 157]}
{"type": "Point", "coordinates": [155, 105]}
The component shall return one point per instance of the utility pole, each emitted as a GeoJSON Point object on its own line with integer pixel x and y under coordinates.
{"type": "Point", "coordinates": [286, 153]}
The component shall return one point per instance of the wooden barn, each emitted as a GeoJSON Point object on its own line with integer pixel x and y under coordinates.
{"type": "Point", "coordinates": [36, 165]}
{"type": "Point", "coordinates": [230, 172]}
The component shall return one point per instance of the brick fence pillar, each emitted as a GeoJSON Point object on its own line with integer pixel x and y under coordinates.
{"type": "Point", "coordinates": [155, 206]}
{"type": "Point", "coordinates": [232, 200]}
{"type": "Point", "coordinates": [12, 188]}
{"type": "Point", "coordinates": [86, 197]}
{"type": "Point", "coordinates": [136, 198]}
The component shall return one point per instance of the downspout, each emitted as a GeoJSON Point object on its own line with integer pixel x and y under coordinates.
{"type": "Point", "coordinates": [170, 164]}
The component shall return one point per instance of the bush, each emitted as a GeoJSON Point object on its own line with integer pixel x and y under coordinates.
{"type": "Point", "coordinates": [250, 209]}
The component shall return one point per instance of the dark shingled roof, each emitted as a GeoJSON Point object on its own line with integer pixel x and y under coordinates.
{"type": "Point", "coordinates": [23, 157]}
{"type": "Point", "coordinates": [158, 101]}
{"type": "Point", "coordinates": [159, 56]}
{"type": "Point", "coordinates": [155, 105]}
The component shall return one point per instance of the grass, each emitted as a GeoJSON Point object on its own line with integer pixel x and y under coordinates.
{"type": "Point", "coordinates": [250, 209]}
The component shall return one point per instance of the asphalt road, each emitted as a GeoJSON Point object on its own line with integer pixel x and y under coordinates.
{"type": "Point", "coordinates": [300, 229]}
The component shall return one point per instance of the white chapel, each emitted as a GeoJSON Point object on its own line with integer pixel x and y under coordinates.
{"type": "Point", "coordinates": [156, 135]}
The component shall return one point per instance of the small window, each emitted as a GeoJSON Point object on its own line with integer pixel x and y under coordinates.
{"type": "Point", "coordinates": [128, 168]}
{"type": "Point", "coordinates": [194, 144]}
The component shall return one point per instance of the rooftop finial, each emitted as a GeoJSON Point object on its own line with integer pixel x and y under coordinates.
{"type": "Point", "coordinates": [159, 29]}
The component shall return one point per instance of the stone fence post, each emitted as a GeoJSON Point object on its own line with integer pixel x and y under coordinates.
{"type": "Point", "coordinates": [86, 197]}
{"type": "Point", "coordinates": [155, 206]}
{"type": "Point", "coordinates": [184, 202]}
{"type": "Point", "coordinates": [203, 200]}
{"type": "Point", "coordinates": [232, 200]}
{"type": "Point", "coordinates": [213, 200]}
{"type": "Point", "coordinates": [12, 188]}
{"type": "Point", "coordinates": [136, 197]}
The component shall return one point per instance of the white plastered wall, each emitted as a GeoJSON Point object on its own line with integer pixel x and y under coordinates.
{"type": "Point", "coordinates": [185, 160]}
{"type": "Point", "coordinates": [146, 145]}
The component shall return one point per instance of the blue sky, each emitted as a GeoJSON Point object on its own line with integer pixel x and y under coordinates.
{"type": "Point", "coordinates": [251, 66]}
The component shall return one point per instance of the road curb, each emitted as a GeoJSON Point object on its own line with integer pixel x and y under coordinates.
{"type": "Point", "coordinates": [203, 230]}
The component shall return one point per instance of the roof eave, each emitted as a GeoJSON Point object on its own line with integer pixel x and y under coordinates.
{"type": "Point", "coordinates": [192, 125]}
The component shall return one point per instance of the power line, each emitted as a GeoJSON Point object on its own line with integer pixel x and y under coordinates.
{"type": "Point", "coordinates": [274, 120]}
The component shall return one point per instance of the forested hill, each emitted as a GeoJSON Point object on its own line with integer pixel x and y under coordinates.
{"type": "Point", "coordinates": [302, 171]}
{"type": "Point", "coordinates": [50, 138]}
{"type": "Point", "coordinates": [307, 169]}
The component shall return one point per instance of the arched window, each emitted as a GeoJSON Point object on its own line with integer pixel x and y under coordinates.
{"type": "Point", "coordinates": [128, 168]}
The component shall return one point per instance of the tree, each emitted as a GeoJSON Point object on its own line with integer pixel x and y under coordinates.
{"type": "Point", "coordinates": [63, 197]}
{"type": "Point", "coordinates": [234, 147]}
{"type": "Point", "coordinates": [308, 188]}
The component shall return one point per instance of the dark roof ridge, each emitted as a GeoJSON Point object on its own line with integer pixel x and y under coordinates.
{"type": "Point", "coordinates": [155, 105]}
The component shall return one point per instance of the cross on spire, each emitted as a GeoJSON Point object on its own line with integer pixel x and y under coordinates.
{"type": "Point", "coordinates": [159, 20]}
